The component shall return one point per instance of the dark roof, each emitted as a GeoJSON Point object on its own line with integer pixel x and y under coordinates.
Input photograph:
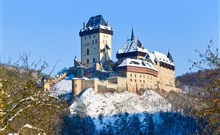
{"type": "Point", "coordinates": [169, 56]}
{"type": "Point", "coordinates": [95, 20]}
{"type": "Point", "coordinates": [138, 42]}
{"type": "Point", "coordinates": [107, 47]}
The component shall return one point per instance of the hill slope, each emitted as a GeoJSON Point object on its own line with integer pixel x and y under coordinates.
{"type": "Point", "coordinates": [123, 113]}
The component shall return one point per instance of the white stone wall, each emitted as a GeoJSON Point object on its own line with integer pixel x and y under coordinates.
{"type": "Point", "coordinates": [90, 43]}
{"type": "Point", "coordinates": [165, 76]}
{"type": "Point", "coordinates": [91, 48]}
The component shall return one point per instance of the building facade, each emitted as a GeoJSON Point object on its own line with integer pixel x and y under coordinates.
{"type": "Point", "coordinates": [138, 65]}
{"type": "Point", "coordinates": [96, 41]}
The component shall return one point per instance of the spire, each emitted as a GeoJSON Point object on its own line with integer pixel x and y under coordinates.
{"type": "Point", "coordinates": [132, 34]}
{"type": "Point", "coordinates": [169, 56]}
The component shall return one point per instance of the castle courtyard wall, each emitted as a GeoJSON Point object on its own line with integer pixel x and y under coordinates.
{"type": "Point", "coordinates": [118, 84]}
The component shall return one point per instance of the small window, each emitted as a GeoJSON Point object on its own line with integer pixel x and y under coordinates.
{"type": "Point", "coordinates": [140, 76]}
{"type": "Point", "coordinates": [96, 41]}
{"type": "Point", "coordinates": [93, 35]}
{"type": "Point", "coordinates": [85, 37]}
{"type": "Point", "coordinates": [135, 80]}
{"type": "Point", "coordinates": [131, 80]}
{"type": "Point", "coordinates": [93, 60]}
{"type": "Point", "coordinates": [89, 36]}
{"type": "Point", "coordinates": [87, 61]}
{"type": "Point", "coordinates": [135, 75]}
{"type": "Point", "coordinates": [130, 75]}
{"type": "Point", "coordinates": [103, 35]}
{"type": "Point", "coordinates": [87, 51]}
{"type": "Point", "coordinates": [140, 80]}
{"type": "Point", "coordinates": [92, 41]}
{"type": "Point", "coordinates": [144, 81]}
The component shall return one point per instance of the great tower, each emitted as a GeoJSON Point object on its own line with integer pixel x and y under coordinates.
{"type": "Point", "coordinates": [96, 41]}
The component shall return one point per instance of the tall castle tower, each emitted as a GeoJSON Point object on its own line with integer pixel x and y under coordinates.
{"type": "Point", "coordinates": [96, 41]}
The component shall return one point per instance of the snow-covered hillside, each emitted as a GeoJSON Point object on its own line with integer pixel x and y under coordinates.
{"type": "Point", "coordinates": [63, 90]}
{"type": "Point", "coordinates": [121, 113]}
{"type": "Point", "coordinates": [92, 104]}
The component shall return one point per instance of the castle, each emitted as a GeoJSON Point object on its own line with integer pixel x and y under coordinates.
{"type": "Point", "coordinates": [135, 70]}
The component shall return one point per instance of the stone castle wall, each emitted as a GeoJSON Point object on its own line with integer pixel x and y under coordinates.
{"type": "Point", "coordinates": [116, 84]}
{"type": "Point", "coordinates": [49, 83]}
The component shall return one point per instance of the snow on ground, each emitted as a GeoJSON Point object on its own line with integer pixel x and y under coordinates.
{"type": "Point", "coordinates": [109, 105]}
{"type": "Point", "coordinates": [61, 88]}
{"type": "Point", "coordinates": [105, 109]}
{"type": "Point", "coordinates": [92, 104]}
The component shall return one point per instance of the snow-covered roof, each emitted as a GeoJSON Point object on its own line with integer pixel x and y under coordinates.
{"type": "Point", "coordinates": [96, 22]}
{"type": "Point", "coordinates": [96, 27]}
{"type": "Point", "coordinates": [162, 57]}
{"type": "Point", "coordinates": [150, 56]}
{"type": "Point", "coordinates": [137, 63]}
{"type": "Point", "coordinates": [133, 46]}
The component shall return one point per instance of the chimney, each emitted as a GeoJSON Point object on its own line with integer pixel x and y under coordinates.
{"type": "Point", "coordinates": [107, 23]}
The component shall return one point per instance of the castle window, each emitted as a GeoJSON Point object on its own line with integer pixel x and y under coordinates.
{"type": "Point", "coordinates": [140, 80]}
{"type": "Point", "coordinates": [87, 51]}
{"type": "Point", "coordinates": [93, 60]}
{"type": "Point", "coordinates": [131, 80]}
{"type": "Point", "coordinates": [92, 41]}
{"type": "Point", "coordinates": [87, 61]}
{"type": "Point", "coordinates": [96, 41]}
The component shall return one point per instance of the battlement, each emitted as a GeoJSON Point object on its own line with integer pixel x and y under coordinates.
{"type": "Point", "coordinates": [115, 84]}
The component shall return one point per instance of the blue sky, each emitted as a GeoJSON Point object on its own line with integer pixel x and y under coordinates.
{"type": "Point", "coordinates": [50, 28]}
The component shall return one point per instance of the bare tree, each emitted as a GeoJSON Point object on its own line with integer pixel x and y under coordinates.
{"type": "Point", "coordinates": [209, 115]}
{"type": "Point", "coordinates": [24, 107]}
